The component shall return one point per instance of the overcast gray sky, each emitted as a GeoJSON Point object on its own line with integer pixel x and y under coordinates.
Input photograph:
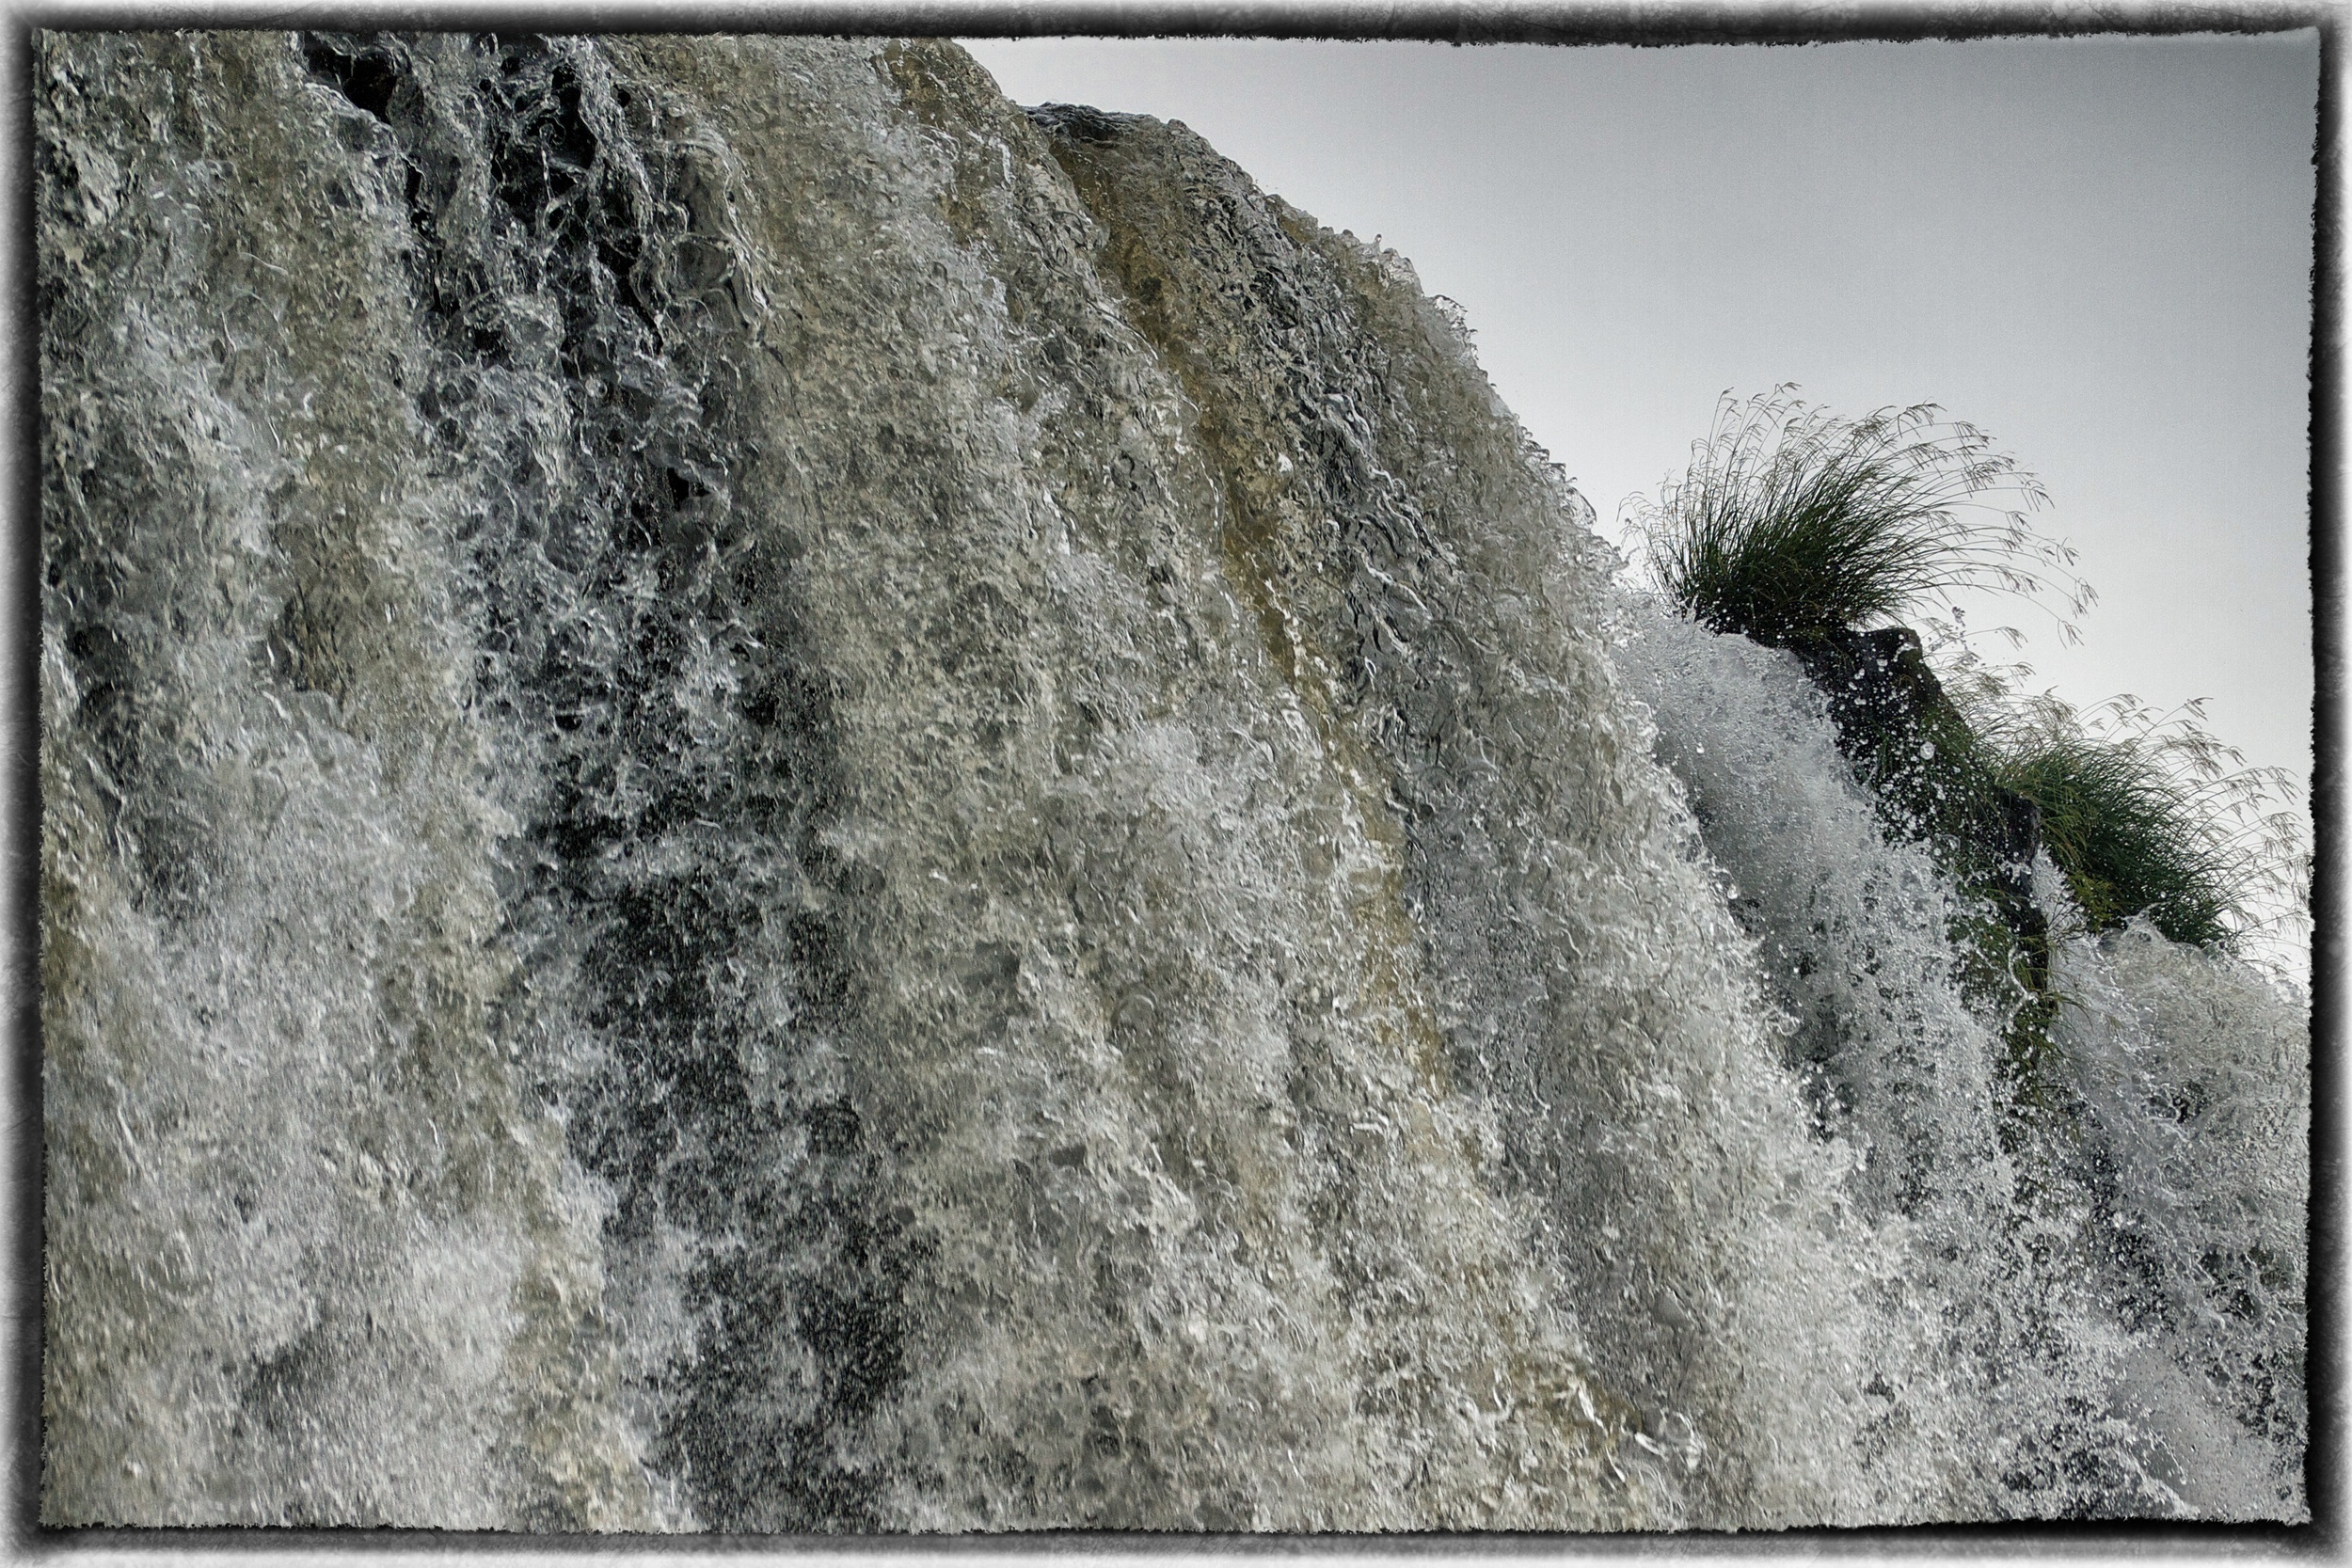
{"type": "Point", "coordinates": [2097, 250]}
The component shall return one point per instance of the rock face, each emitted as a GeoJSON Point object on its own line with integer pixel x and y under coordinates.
{"type": "Point", "coordinates": [1891, 713]}
{"type": "Point", "coordinates": [774, 800]}
{"type": "Point", "coordinates": [1880, 688]}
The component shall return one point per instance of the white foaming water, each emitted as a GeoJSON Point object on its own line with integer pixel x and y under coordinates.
{"type": "Point", "coordinates": [776, 803]}
{"type": "Point", "coordinates": [2197, 1074]}
{"type": "Point", "coordinates": [2124, 1283]}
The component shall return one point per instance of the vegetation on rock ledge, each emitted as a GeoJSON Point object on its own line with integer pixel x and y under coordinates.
{"type": "Point", "coordinates": [1807, 531]}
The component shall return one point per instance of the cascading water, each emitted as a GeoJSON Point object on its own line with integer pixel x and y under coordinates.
{"type": "Point", "coordinates": [2064, 1263]}
{"type": "Point", "coordinates": [774, 800]}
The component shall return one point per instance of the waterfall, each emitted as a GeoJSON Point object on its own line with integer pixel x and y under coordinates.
{"type": "Point", "coordinates": [777, 800]}
{"type": "Point", "coordinates": [2118, 1289]}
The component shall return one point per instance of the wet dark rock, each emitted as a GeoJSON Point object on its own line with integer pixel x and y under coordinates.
{"type": "Point", "coordinates": [1908, 741]}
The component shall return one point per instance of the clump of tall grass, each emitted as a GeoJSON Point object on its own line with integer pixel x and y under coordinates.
{"type": "Point", "coordinates": [2148, 814]}
{"type": "Point", "coordinates": [1801, 529]}
{"type": "Point", "coordinates": [1791, 522]}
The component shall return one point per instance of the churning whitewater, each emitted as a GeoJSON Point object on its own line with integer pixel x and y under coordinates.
{"type": "Point", "coordinates": [777, 800]}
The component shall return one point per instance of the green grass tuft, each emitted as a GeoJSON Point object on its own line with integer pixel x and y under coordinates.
{"type": "Point", "coordinates": [2123, 833]}
{"type": "Point", "coordinates": [2148, 814]}
{"type": "Point", "coordinates": [1792, 522]}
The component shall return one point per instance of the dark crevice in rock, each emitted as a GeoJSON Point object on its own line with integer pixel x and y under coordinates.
{"type": "Point", "coordinates": [682, 1113]}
